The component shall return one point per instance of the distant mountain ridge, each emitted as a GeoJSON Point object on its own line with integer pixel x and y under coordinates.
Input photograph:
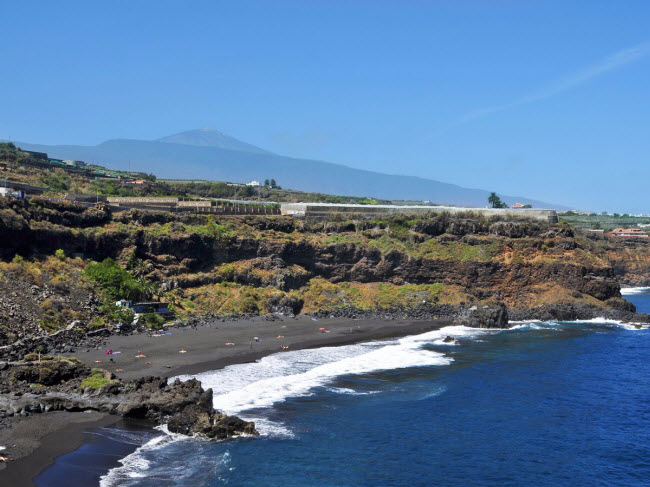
{"type": "Point", "coordinates": [209, 154]}
{"type": "Point", "coordinates": [209, 137]}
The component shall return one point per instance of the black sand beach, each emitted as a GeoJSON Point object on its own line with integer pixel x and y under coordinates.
{"type": "Point", "coordinates": [214, 346]}
{"type": "Point", "coordinates": [39, 439]}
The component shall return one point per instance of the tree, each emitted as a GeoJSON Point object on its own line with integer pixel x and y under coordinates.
{"type": "Point", "coordinates": [113, 280]}
{"type": "Point", "coordinates": [273, 185]}
{"type": "Point", "coordinates": [496, 202]}
{"type": "Point", "coordinates": [267, 183]}
{"type": "Point", "coordinates": [245, 191]}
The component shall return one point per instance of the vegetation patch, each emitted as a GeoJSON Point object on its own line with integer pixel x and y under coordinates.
{"type": "Point", "coordinates": [116, 282]}
{"type": "Point", "coordinates": [322, 294]}
{"type": "Point", "coordinates": [97, 379]}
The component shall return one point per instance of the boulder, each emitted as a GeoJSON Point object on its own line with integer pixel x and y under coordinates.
{"type": "Point", "coordinates": [494, 316]}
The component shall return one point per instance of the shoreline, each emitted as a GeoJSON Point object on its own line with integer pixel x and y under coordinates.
{"type": "Point", "coordinates": [206, 350]}
{"type": "Point", "coordinates": [45, 437]}
{"type": "Point", "coordinates": [191, 350]}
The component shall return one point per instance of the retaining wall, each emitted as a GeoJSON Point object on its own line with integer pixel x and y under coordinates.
{"type": "Point", "coordinates": [142, 201]}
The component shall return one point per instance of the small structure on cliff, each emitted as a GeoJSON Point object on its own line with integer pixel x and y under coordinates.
{"type": "Point", "coordinates": [325, 210]}
{"type": "Point", "coordinates": [628, 233]}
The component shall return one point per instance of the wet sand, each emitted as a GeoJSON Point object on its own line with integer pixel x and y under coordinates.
{"type": "Point", "coordinates": [34, 442]}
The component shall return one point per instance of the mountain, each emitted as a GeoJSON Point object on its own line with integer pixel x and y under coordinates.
{"type": "Point", "coordinates": [209, 154]}
{"type": "Point", "coordinates": [209, 137]}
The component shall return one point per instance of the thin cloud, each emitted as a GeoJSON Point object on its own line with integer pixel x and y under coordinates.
{"type": "Point", "coordinates": [610, 63]}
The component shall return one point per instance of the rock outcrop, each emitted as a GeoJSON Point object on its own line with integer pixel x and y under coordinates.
{"type": "Point", "coordinates": [68, 385]}
{"type": "Point", "coordinates": [494, 316]}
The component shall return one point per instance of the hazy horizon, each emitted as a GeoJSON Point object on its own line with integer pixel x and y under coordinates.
{"type": "Point", "coordinates": [541, 99]}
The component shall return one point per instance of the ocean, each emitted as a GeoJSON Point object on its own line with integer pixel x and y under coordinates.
{"type": "Point", "coordinates": [539, 404]}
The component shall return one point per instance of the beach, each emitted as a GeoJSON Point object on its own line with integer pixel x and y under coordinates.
{"type": "Point", "coordinates": [179, 351]}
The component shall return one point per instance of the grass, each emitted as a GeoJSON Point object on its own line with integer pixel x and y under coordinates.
{"type": "Point", "coordinates": [226, 299]}
{"type": "Point", "coordinates": [486, 251]}
{"type": "Point", "coordinates": [322, 294]}
{"type": "Point", "coordinates": [96, 380]}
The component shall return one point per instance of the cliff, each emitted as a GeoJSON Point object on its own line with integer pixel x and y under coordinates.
{"type": "Point", "coordinates": [253, 265]}
{"type": "Point", "coordinates": [630, 260]}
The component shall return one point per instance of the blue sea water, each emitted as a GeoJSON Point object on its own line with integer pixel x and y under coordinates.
{"type": "Point", "coordinates": [541, 404]}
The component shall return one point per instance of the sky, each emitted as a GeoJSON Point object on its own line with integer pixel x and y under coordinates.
{"type": "Point", "coordinates": [544, 99]}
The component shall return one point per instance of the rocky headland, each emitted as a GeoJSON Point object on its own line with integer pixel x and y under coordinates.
{"type": "Point", "coordinates": [38, 386]}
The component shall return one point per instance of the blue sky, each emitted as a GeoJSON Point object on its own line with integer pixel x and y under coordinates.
{"type": "Point", "coordinates": [547, 99]}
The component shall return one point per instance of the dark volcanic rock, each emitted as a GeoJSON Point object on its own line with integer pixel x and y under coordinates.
{"type": "Point", "coordinates": [576, 312]}
{"type": "Point", "coordinates": [49, 372]}
{"type": "Point", "coordinates": [495, 316]}
{"type": "Point", "coordinates": [184, 405]}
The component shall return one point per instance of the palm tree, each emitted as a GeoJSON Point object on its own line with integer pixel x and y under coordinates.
{"type": "Point", "coordinates": [495, 201]}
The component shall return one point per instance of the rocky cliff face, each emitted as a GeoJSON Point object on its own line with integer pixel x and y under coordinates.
{"type": "Point", "coordinates": [277, 264]}
{"type": "Point", "coordinates": [630, 261]}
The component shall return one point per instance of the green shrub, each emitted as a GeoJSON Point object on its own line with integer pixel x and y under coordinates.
{"type": "Point", "coordinates": [96, 380]}
{"type": "Point", "coordinates": [115, 281]}
{"type": "Point", "coordinates": [58, 181]}
{"type": "Point", "coordinates": [248, 305]}
{"type": "Point", "coordinates": [120, 315]}
{"type": "Point", "coordinates": [152, 320]}
{"type": "Point", "coordinates": [59, 254]}
{"type": "Point", "coordinates": [226, 272]}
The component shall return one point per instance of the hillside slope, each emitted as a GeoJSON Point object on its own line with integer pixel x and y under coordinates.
{"type": "Point", "coordinates": [199, 161]}
{"type": "Point", "coordinates": [243, 265]}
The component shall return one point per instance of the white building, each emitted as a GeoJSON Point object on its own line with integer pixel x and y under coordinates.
{"type": "Point", "coordinates": [253, 183]}
{"type": "Point", "coordinates": [7, 191]}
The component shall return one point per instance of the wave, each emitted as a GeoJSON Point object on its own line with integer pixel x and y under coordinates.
{"type": "Point", "coordinates": [136, 464]}
{"type": "Point", "coordinates": [350, 392]}
{"type": "Point", "coordinates": [549, 325]}
{"type": "Point", "coordinates": [606, 321]}
{"type": "Point", "coordinates": [626, 291]}
{"type": "Point", "coordinates": [248, 390]}
{"type": "Point", "coordinates": [276, 378]}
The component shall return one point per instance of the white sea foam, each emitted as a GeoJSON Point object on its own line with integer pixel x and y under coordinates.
{"type": "Point", "coordinates": [550, 325]}
{"type": "Point", "coordinates": [266, 427]}
{"type": "Point", "coordinates": [265, 391]}
{"type": "Point", "coordinates": [135, 465]}
{"type": "Point", "coordinates": [350, 392]}
{"type": "Point", "coordinates": [532, 325]}
{"type": "Point", "coordinates": [243, 388]}
{"type": "Point", "coordinates": [275, 378]}
{"type": "Point", "coordinates": [605, 321]}
{"type": "Point", "coordinates": [625, 291]}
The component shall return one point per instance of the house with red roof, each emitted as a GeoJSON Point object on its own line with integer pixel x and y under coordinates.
{"type": "Point", "coordinates": [628, 233]}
